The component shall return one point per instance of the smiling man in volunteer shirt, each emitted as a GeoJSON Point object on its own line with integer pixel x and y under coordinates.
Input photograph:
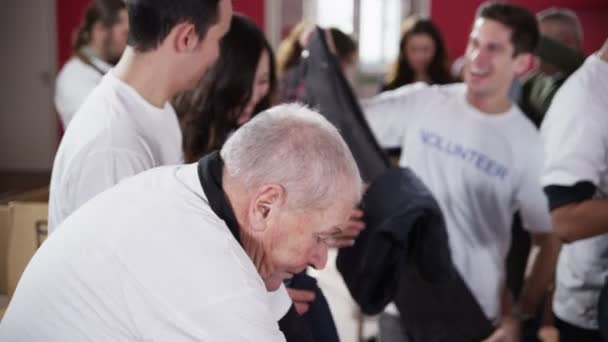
{"type": "Point", "coordinates": [188, 253]}
{"type": "Point", "coordinates": [481, 158]}
{"type": "Point", "coordinates": [575, 134]}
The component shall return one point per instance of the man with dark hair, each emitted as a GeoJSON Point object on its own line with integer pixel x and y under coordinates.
{"type": "Point", "coordinates": [97, 45]}
{"type": "Point", "coordinates": [127, 125]}
{"type": "Point", "coordinates": [481, 159]}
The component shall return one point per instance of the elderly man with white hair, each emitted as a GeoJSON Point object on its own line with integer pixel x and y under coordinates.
{"type": "Point", "coordinates": [188, 253]}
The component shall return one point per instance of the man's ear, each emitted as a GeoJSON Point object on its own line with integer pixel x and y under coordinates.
{"type": "Point", "coordinates": [183, 38]}
{"type": "Point", "coordinates": [265, 203]}
{"type": "Point", "coordinates": [525, 63]}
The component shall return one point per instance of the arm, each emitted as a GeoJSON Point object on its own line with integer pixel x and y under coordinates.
{"type": "Point", "coordinates": [534, 209]}
{"type": "Point", "coordinates": [541, 275]}
{"type": "Point", "coordinates": [576, 214]}
{"type": "Point", "coordinates": [508, 328]}
{"type": "Point", "coordinates": [388, 113]}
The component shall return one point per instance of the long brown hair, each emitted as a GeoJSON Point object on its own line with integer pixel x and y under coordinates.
{"type": "Point", "coordinates": [401, 72]}
{"type": "Point", "coordinates": [209, 112]}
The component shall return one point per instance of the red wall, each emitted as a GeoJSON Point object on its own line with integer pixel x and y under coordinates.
{"type": "Point", "coordinates": [70, 12]}
{"type": "Point", "coordinates": [454, 18]}
{"type": "Point", "coordinates": [254, 9]}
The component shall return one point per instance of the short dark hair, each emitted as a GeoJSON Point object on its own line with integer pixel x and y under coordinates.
{"type": "Point", "coordinates": [104, 11]}
{"type": "Point", "coordinates": [210, 112]}
{"type": "Point", "coordinates": [150, 21]}
{"type": "Point", "coordinates": [524, 28]}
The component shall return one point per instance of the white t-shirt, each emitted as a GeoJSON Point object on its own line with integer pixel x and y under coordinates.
{"type": "Point", "coordinates": [116, 134]}
{"type": "Point", "coordinates": [75, 82]}
{"type": "Point", "coordinates": [147, 260]}
{"type": "Point", "coordinates": [481, 168]}
{"type": "Point", "coordinates": [575, 134]}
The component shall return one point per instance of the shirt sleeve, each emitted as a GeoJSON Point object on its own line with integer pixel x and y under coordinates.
{"type": "Point", "coordinates": [388, 113]}
{"type": "Point", "coordinates": [531, 201]}
{"type": "Point", "coordinates": [560, 195]}
{"type": "Point", "coordinates": [574, 133]}
{"type": "Point", "coordinates": [574, 147]}
{"type": "Point", "coordinates": [102, 170]}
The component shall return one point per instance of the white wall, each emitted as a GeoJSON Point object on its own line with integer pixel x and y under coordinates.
{"type": "Point", "coordinates": [28, 128]}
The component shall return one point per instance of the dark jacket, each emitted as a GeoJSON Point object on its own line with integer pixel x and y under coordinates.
{"type": "Point", "coordinates": [403, 256]}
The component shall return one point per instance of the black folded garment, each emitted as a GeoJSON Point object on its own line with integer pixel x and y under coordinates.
{"type": "Point", "coordinates": [404, 230]}
{"type": "Point", "coordinates": [328, 91]}
{"type": "Point", "coordinates": [403, 256]}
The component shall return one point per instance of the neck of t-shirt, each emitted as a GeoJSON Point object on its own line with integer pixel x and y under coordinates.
{"type": "Point", "coordinates": [490, 105]}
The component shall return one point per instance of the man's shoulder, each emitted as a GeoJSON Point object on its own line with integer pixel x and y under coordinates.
{"type": "Point", "coordinates": [445, 94]}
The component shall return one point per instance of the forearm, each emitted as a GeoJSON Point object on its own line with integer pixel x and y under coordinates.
{"type": "Point", "coordinates": [541, 274]}
{"type": "Point", "coordinates": [582, 220]}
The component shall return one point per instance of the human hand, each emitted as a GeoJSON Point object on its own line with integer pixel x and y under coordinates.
{"type": "Point", "coordinates": [301, 299]}
{"type": "Point", "coordinates": [508, 331]}
{"type": "Point", "coordinates": [350, 231]}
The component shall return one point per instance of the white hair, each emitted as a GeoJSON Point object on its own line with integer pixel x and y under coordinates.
{"type": "Point", "coordinates": [297, 148]}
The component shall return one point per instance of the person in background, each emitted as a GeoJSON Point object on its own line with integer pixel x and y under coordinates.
{"type": "Point", "coordinates": [575, 136]}
{"type": "Point", "coordinates": [559, 55]}
{"type": "Point", "coordinates": [561, 25]}
{"type": "Point", "coordinates": [239, 85]}
{"type": "Point", "coordinates": [97, 45]}
{"type": "Point", "coordinates": [289, 53]}
{"type": "Point", "coordinates": [422, 56]}
{"type": "Point", "coordinates": [189, 252]}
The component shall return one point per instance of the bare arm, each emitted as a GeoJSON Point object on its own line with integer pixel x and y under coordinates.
{"type": "Point", "coordinates": [582, 220]}
{"type": "Point", "coordinates": [542, 273]}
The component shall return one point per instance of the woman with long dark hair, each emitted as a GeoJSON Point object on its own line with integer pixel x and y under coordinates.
{"type": "Point", "coordinates": [422, 56]}
{"type": "Point", "coordinates": [240, 85]}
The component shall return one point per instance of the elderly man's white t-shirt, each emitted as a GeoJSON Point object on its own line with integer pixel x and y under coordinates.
{"type": "Point", "coordinates": [575, 134]}
{"type": "Point", "coordinates": [147, 260]}
{"type": "Point", "coordinates": [75, 82]}
{"type": "Point", "coordinates": [116, 134]}
{"type": "Point", "coordinates": [481, 168]}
